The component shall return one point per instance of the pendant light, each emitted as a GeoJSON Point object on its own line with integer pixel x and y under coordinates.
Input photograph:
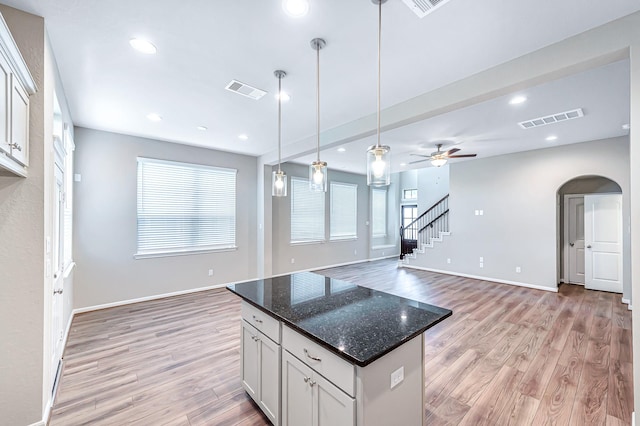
{"type": "Point", "coordinates": [318, 170]}
{"type": "Point", "coordinates": [379, 156]}
{"type": "Point", "coordinates": [279, 178]}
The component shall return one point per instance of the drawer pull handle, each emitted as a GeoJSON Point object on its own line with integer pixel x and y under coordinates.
{"type": "Point", "coordinates": [315, 358]}
{"type": "Point", "coordinates": [312, 383]}
{"type": "Point", "coordinates": [16, 146]}
{"type": "Point", "coordinates": [257, 319]}
{"type": "Point", "coordinates": [308, 380]}
{"type": "Point", "coordinates": [255, 338]}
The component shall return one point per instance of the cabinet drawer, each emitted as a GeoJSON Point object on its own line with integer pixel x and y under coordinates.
{"type": "Point", "coordinates": [335, 369]}
{"type": "Point", "coordinates": [263, 322]}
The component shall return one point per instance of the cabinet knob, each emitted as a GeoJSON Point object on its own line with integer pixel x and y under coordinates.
{"type": "Point", "coordinates": [257, 319]}
{"type": "Point", "coordinates": [16, 146]}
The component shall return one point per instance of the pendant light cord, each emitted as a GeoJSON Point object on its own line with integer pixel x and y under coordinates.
{"type": "Point", "coordinates": [379, 49]}
{"type": "Point", "coordinates": [318, 100]}
{"type": "Point", "coordinates": [279, 121]}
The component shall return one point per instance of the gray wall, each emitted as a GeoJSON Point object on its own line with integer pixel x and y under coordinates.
{"type": "Point", "coordinates": [26, 220]}
{"type": "Point", "coordinates": [317, 255]}
{"type": "Point", "coordinates": [519, 195]}
{"type": "Point", "coordinates": [105, 222]}
{"type": "Point", "coordinates": [433, 184]}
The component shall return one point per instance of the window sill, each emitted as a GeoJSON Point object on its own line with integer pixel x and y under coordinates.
{"type": "Point", "coordinates": [181, 253]}
{"type": "Point", "coordinates": [339, 239]}
{"type": "Point", "coordinates": [304, 243]}
{"type": "Point", "coordinates": [381, 247]}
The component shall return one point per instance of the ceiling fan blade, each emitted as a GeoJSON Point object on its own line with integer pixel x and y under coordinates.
{"type": "Point", "coordinates": [462, 156]}
{"type": "Point", "coordinates": [419, 155]}
{"type": "Point", "coordinates": [451, 151]}
{"type": "Point", "coordinates": [419, 161]}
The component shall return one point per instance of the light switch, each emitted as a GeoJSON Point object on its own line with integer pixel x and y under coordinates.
{"type": "Point", "coordinates": [77, 177]}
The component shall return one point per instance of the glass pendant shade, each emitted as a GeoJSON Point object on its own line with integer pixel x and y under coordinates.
{"type": "Point", "coordinates": [378, 165]}
{"type": "Point", "coordinates": [278, 184]}
{"type": "Point", "coordinates": [318, 176]}
{"type": "Point", "coordinates": [439, 162]}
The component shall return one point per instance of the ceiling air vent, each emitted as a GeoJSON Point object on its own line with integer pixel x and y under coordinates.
{"type": "Point", "coordinates": [245, 90]}
{"type": "Point", "coordinates": [550, 119]}
{"type": "Point", "coordinates": [423, 7]}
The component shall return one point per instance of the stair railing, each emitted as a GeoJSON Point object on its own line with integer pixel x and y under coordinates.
{"type": "Point", "coordinates": [427, 226]}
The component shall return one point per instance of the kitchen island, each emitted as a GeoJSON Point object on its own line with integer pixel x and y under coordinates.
{"type": "Point", "coordinates": [321, 351]}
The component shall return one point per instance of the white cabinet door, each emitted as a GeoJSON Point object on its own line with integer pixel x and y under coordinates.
{"type": "Point", "coordinates": [19, 123]}
{"type": "Point", "coordinates": [297, 394]}
{"type": "Point", "coordinates": [269, 387]}
{"type": "Point", "coordinates": [249, 365]}
{"type": "Point", "coordinates": [332, 407]}
{"type": "Point", "coordinates": [5, 106]}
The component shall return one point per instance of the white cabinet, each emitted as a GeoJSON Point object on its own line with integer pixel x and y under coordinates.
{"type": "Point", "coordinates": [19, 122]}
{"type": "Point", "coordinates": [16, 85]}
{"type": "Point", "coordinates": [260, 369]}
{"type": "Point", "coordinates": [309, 399]}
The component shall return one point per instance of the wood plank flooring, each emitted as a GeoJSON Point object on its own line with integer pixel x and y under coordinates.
{"type": "Point", "coordinates": [507, 356]}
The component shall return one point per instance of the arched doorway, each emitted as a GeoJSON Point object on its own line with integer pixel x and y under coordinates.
{"type": "Point", "coordinates": [578, 259]}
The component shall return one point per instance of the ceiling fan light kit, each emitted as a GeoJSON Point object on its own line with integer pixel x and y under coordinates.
{"type": "Point", "coordinates": [379, 156]}
{"type": "Point", "coordinates": [440, 158]}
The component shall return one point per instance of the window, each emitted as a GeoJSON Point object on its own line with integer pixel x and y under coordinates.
{"type": "Point", "coordinates": [378, 213]}
{"type": "Point", "coordinates": [410, 194]}
{"type": "Point", "coordinates": [410, 214]}
{"type": "Point", "coordinates": [344, 211]}
{"type": "Point", "coordinates": [184, 207]}
{"type": "Point", "coordinates": [307, 212]}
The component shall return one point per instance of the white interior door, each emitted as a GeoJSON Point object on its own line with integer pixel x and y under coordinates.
{"type": "Point", "coordinates": [575, 250]}
{"type": "Point", "coordinates": [57, 327]}
{"type": "Point", "coordinates": [603, 239]}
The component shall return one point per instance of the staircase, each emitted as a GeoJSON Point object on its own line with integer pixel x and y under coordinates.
{"type": "Point", "coordinates": [427, 229]}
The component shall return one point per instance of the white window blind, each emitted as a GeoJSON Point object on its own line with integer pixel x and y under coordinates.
{"type": "Point", "coordinates": [307, 212]}
{"type": "Point", "coordinates": [378, 213]}
{"type": "Point", "coordinates": [185, 207]}
{"type": "Point", "coordinates": [344, 211]}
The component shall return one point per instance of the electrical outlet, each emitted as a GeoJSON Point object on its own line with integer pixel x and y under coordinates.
{"type": "Point", "coordinates": [210, 272]}
{"type": "Point", "coordinates": [482, 265]}
{"type": "Point", "coordinates": [293, 261]}
{"type": "Point", "coordinates": [518, 269]}
{"type": "Point", "coordinates": [77, 177]}
{"type": "Point", "coordinates": [477, 212]}
{"type": "Point", "coordinates": [481, 259]}
{"type": "Point", "coordinates": [448, 260]}
{"type": "Point", "coordinates": [355, 252]}
{"type": "Point", "coordinates": [397, 377]}
{"type": "Point", "coordinates": [481, 212]}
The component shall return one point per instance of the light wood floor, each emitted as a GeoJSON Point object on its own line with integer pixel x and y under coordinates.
{"type": "Point", "coordinates": [508, 355]}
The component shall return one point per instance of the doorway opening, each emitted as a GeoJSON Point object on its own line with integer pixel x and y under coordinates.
{"type": "Point", "coordinates": [590, 233]}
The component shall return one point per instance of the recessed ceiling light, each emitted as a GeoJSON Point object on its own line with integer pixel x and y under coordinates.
{"type": "Point", "coordinates": [551, 138]}
{"type": "Point", "coordinates": [626, 126]}
{"type": "Point", "coordinates": [403, 164]}
{"type": "Point", "coordinates": [143, 46]}
{"type": "Point", "coordinates": [284, 96]}
{"type": "Point", "coordinates": [517, 100]}
{"type": "Point", "coordinates": [243, 137]}
{"type": "Point", "coordinates": [341, 149]}
{"type": "Point", "coordinates": [201, 128]}
{"type": "Point", "coordinates": [295, 8]}
{"type": "Point", "coordinates": [154, 117]}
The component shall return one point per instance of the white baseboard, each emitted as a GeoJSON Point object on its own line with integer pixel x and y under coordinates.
{"type": "Point", "coordinates": [633, 419]}
{"type": "Point", "coordinates": [628, 303]}
{"type": "Point", "coordinates": [478, 277]}
{"type": "Point", "coordinates": [154, 297]}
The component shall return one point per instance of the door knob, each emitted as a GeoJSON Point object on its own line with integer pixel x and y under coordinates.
{"type": "Point", "coordinates": [589, 246]}
{"type": "Point", "coordinates": [571, 244]}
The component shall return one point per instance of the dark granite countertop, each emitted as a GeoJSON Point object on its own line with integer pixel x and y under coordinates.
{"type": "Point", "coordinates": [357, 323]}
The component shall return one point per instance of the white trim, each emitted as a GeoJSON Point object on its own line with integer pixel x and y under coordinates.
{"type": "Point", "coordinates": [633, 419]}
{"type": "Point", "coordinates": [7, 163]}
{"type": "Point", "coordinates": [186, 252]}
{"type": "Point", "coordinates": [155, 297]}
{"type": "Point", "coordinates": [67, 271]}
{"type": "Point", "coordinates": [40, 423]}
{"type": "Point", "coordinates": [11, 52]}
{"type": "Point", "coordinates": [478, 277]}
{"type": "Point", "coordinates": [628, 303]}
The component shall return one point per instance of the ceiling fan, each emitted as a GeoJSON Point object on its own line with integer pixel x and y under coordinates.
{"type": "Point", "coordinates": [439, 158]}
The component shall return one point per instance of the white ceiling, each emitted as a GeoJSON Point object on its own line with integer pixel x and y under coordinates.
{"type": "Point", "coordinates": [203, 44]}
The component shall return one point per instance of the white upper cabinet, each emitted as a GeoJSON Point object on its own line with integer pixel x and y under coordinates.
{"type": "Point", "coordinates": [16, 85]}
